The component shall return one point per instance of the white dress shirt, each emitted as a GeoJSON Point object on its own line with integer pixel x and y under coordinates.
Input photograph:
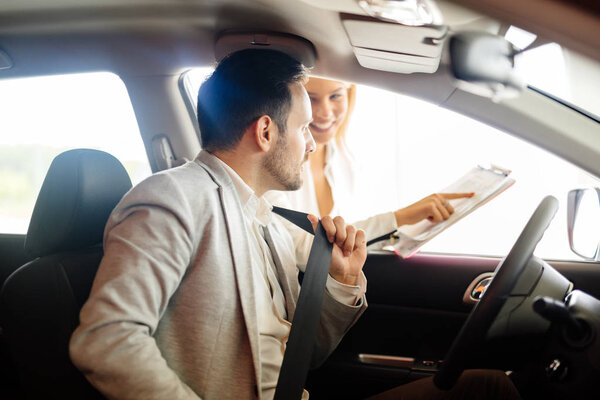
{"type": "Point", "coordinates": [341, 175]}
{"type": "Point", "coordinates": [273, 326]}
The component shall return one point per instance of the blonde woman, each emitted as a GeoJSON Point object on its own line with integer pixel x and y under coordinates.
{"type": "Point", "coordinates": [330, 177]}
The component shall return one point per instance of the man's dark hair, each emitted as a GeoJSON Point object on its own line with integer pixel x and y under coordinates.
{"type": "Point", "coordinates": [244, 86]}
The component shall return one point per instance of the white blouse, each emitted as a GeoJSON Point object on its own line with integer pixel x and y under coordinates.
{"type": "Point", "coordinates": [341, 175]}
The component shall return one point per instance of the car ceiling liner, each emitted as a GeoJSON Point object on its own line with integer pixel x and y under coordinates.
{"type": "Point", "coordinates": [481, 62]}
{"type": "Point", "coordinates": [408, 37]}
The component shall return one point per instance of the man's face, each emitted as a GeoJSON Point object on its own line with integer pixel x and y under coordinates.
{"type": "Point", "coordinates": [287, 158]}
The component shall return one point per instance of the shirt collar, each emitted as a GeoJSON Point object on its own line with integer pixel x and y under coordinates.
{"type": "Point", "coordinates": [253, 206]}
{"type": "Point", "coordinates": [330, 150]}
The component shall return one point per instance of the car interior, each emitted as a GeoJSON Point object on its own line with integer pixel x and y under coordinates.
{"type": "Point", "coordinates": [436, 313]}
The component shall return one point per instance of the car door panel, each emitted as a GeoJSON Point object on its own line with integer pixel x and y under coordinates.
{"type": "Point", "coordinates": [415, 311]}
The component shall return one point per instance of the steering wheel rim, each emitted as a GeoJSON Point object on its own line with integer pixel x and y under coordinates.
{"type": "Point", "coordinates": [486, 310]}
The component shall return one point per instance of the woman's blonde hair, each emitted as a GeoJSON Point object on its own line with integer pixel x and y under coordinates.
{"type": "Point", "coordinates": [340, 135]}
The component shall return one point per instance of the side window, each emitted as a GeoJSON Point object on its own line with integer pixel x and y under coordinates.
{"type": "Point", "coordinates": [192, 80]}
{"type": "Point", "coordinates": [408, 149]}
{"type": "Point", "coordinates": [44, 116]}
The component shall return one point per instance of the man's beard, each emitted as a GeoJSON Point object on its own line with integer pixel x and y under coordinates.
{"type": "Point", "coordinates": [278, 166]}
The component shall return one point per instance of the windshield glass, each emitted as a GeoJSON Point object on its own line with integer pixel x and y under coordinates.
{"type": "Point", "coordinates": [558, 71]}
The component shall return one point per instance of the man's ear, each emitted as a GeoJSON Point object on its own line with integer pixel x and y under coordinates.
{"type": "Point", "coordinates": [265, 133]}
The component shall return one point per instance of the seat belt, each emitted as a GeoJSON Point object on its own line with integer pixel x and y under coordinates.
{"type": "Point", "coordinates": [303, 333]}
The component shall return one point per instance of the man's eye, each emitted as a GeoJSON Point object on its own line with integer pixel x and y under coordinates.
{"type": "Point", "coordinates": [335, 96]}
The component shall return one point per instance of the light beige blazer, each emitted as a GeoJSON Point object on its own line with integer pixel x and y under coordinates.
{"type": "Point", "coordinates": [172, 313]}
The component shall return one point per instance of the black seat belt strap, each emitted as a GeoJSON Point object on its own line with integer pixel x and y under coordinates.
{"type": "Point", "coordinates": [303, 333]}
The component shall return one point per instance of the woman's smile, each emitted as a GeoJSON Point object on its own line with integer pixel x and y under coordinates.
{"type": "Point", "coordinates": [322, 127]}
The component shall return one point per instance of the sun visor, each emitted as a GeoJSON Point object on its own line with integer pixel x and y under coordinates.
{"type": "Point", "coordinates": [295, 46]}
{"type": "Point", "coordinates": [392, 47]}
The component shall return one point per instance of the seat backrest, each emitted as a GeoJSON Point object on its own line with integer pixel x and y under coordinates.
{"type": "Point", "coordinates": [40, 301]}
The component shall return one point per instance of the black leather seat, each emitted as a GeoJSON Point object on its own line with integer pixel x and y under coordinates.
{"type": "Point", "coordinates": [40, 302]}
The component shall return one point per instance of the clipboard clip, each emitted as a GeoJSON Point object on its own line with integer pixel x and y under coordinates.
{"type": "Point", "coordinates": [496, 169]}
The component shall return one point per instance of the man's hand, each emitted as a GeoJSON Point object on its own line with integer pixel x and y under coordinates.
{"type": "Point", "coordinates": [435, 208]}
{"type": "Point", "coordinates": [349, 248]}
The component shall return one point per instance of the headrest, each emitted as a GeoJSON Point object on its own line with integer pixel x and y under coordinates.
{"type": "Point", "coordinates": [79, 192]}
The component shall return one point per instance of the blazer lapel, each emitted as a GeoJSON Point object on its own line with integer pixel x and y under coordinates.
{"type": "Point", "coordinates": [239, 247]}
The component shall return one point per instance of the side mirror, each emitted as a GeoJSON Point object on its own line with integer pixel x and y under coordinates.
{"type": "Point", "coordinates": [483, 64]}
{"type": "Point", "coordinates": [583, 214]}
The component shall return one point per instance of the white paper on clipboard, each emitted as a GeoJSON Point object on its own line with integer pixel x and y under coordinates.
{"type": "Point", "coordinates": [487, 183]}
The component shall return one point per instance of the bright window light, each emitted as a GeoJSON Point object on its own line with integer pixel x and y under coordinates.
{"type": "Point", "coordinates": [44, 116]}
{"type": "Point", "coordinates": [519, 37]}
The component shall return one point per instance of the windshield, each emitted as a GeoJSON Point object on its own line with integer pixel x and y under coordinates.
{"type": "Point", "coordinates": [558, 71]}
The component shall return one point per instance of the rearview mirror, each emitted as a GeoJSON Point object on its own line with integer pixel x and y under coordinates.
{"type": "Point", "coordinates": [583, 219]}
{"type": "Point", "coordinates": [483, 64]}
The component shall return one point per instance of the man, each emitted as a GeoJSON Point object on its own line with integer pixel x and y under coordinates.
{"type": "Point", "coordinates": [198, 283]}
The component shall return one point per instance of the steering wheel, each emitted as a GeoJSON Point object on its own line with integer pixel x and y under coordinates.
{"type": "Point", "coordinates": [485, 311]}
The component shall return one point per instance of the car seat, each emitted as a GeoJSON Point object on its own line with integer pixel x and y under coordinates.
{"type": "Point", "coordinates": [40, 301]}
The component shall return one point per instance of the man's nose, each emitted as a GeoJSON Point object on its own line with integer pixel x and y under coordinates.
{"type": "Point", "coordinates": [310, 142]}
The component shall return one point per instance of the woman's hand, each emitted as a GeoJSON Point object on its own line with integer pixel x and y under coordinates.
{"type": "Point", "coordinates": [349, 248]}
{"type": "Point", "coordinates": [435, 208]}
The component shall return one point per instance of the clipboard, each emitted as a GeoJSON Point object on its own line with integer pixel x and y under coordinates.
{"type": "Point", "coordinates": [487, 183]}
